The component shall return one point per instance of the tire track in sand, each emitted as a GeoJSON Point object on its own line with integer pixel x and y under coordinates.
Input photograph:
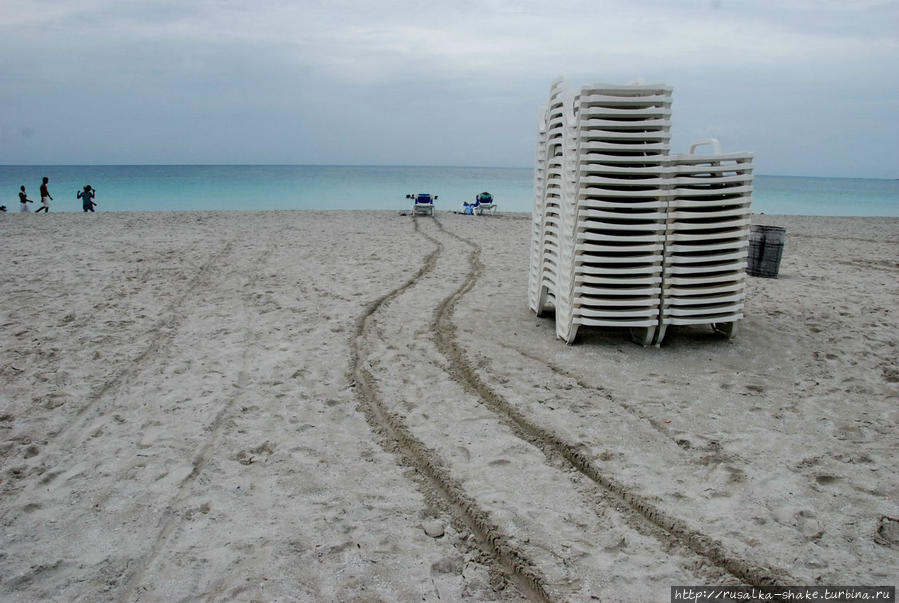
{"type": "Point", "coordinates": [414, 453]}
{"type": "Point", "coordinates": [602, 391]}
{"type": "Point", "coordinates": [204, 452]}
{"type": "Point", "coordinates": [639, 509]}
{"type": "Point", "coordinates": [160, 334]}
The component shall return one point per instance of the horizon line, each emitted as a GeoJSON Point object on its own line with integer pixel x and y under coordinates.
{"type": "Point", "coordinates": [364, 165]}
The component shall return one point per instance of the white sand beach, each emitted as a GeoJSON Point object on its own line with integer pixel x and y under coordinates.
{"type": "Point", "coordinates": [359, 406]}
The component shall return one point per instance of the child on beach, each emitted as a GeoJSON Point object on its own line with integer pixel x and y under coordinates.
{"type": "Point", "coordinates": [23, 200]}
{"type": "Point", "coordinates": [45, 197]}
{"type": "Point", "coordinates": [87, 198]}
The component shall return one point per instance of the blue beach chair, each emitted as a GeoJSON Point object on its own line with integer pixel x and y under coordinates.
{"type": "Point", "coordinates": [422, 203]}
{"type": "Point", "coordinates": [484, 204]}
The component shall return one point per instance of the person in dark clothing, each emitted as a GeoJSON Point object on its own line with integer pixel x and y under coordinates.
{"type": "Point", "coordinates": [87, 198]}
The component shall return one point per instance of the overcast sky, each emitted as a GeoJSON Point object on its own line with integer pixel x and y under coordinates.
{"type": "Point", "coordinates": [812, 87]}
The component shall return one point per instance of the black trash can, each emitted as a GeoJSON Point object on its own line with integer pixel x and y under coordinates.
{"type": "Point", "coordinates": [766, 245]}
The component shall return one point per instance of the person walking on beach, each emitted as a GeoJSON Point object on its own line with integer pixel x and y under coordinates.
{"type": "Point", "coordinates": [87, 198]}
{"type": "Point", "coordinates": [23, 200]}
{"type": "Point", "coordinates": [45, 197]}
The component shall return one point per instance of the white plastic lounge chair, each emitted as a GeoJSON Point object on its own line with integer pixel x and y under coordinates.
{"type": "Point", "coordinates": [485, 204]}
{"type": "Point", "coordinates": [422, 203]}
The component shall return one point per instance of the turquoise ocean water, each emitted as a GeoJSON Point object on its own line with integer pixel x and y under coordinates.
{"type": "Point", "coordinates": [251, 187]}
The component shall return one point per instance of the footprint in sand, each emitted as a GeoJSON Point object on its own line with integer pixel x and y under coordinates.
{"type": "Point", "coordinates": [808, 525]}
{"type": "Point", "coordinates": [887, 531]}
{"type": "Point", "coordinates": [248, 457]}
{"type": "Point", "coordinates": [245, 458]}
{"type": "Point", "coordinates": [825, 480]}
{"type": "Point", "coordinates": [17, 472]}
{"type": "Point", "coordinates": [447, 565]}
{"type": "Point", "coordinates": [54, 400]}
{"type": "Point", "coordinates": [50, 477]}
{"type": "Point", "coordinates": [735, 475]}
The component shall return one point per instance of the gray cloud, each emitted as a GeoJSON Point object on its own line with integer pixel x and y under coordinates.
{"type": "Point", "coordinates": [340, 81]}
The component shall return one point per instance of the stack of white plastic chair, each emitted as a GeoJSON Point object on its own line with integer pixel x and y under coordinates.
{"type": "Point", "coordinates": [564, 169]}
{"type": "Point", "coordinates": [609, 205]}
{"type": "Point", "coordinates": [545, 235]}
{"type": "Point", "coordinates": [538, 217]}
{"type": "Point", "coordinates": [624, 234]}
{"type": "Point", "coordinates": [620, 200]}
{"type": "Point", "coordinates": [706, 240]}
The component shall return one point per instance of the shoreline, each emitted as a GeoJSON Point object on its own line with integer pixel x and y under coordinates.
{"type": "Point", "coordinates": [756, 217]}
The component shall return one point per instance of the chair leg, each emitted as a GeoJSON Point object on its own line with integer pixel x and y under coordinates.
{"type": "Point", "coordinates": [643, 335]}
{"type": "Point", "coordinates": [728, 329]}
{"type": "Point", "coordinates": [660, 334]}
